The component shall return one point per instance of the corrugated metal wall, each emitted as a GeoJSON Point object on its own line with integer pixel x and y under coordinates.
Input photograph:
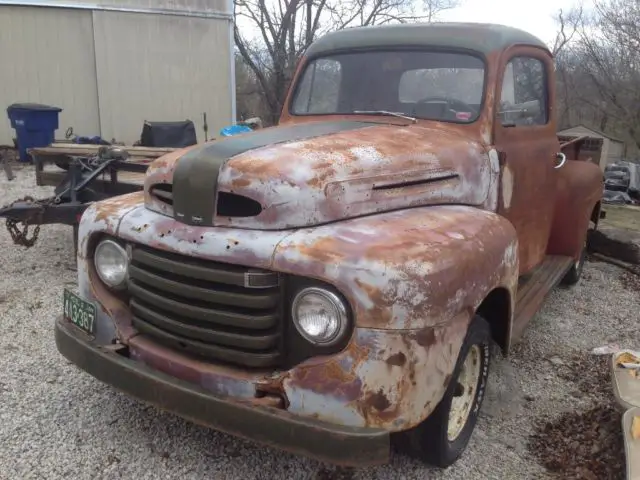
{"type": "Point", "coordinates": [184, 75]}
{"type": "Point", "coordinates": [177, 5]}
{"type": "Point", "coordinates": [112, 70]}
{"type": "Point", "coordinates": [47, 56]}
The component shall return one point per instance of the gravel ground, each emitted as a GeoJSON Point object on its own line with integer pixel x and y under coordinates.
{"type": "Point", "coordinates": [57, 422]}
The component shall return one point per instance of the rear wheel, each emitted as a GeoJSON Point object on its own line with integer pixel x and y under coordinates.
{"type": "Point", "coordinates": [442, 438]}
{"type": "Point", "coordinates": [575, 272]}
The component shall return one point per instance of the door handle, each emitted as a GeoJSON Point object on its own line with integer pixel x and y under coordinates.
{"type": "Point", "coordinates": [563, 159]}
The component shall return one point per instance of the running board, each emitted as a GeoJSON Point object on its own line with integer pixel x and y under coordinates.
{"type": "Point", "coordinates": [533, 288]}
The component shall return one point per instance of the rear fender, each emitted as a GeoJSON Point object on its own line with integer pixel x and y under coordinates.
{"type": "Point", "coordinates": [578, 195]}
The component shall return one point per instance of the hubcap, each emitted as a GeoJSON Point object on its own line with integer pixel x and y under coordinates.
{"type": "Point", "coordinates": [467, 387]}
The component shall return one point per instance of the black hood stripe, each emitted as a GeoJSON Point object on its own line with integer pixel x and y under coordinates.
{"type": "Point", "coordinates": [195, 179]}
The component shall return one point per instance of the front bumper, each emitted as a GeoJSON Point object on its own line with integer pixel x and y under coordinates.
{"type": "Point", "coordinates": [336, 444]}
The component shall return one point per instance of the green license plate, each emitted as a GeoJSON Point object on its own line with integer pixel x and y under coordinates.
{"type": "Point", "coordinates": [79, 312]}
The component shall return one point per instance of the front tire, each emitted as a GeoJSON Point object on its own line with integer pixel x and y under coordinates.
{"type": "Point", "coordinates": [443, 437]}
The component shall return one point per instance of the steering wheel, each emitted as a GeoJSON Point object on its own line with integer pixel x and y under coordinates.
{"type": "Point", "coordinates": [450, 102]}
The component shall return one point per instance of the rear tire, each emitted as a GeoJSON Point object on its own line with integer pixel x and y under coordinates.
{"type": "Point", "coordinates": [575, 272]}
{"type": "Point", "coordinates": [443, 437]}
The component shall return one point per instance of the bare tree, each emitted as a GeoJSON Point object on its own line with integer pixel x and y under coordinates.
{"type": "Point", "coordinates": [435, 7]}
{"type": "Point", "coordinates": [598, 65]}
{"type": "Point", "coordinates": [568, 26]}
{"type": "Point", "coordinates": [286, 28]}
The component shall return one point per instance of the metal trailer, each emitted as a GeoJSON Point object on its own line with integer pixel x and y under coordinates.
{"type": "Point", "coordinates": [84, 173]}
{"type": "Point", "coordinates": [81, 174]}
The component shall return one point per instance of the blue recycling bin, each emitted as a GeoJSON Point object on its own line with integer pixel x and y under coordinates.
{"type": "Point", "coordinates": [35, 125]}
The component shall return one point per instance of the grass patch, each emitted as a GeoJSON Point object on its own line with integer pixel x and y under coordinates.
{"type": "Point", "coordinates": [622, 216]}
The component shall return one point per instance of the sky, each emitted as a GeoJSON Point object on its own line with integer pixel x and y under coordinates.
{"type": "Point", "coordinates": [534, 16]}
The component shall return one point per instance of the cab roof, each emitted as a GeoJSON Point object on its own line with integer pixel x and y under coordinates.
{"type": "Point", "coordinates": [480, 37]}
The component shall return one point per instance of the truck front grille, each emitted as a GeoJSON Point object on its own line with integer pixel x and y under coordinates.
{"type": "Point", "coordinates": [207, 309]}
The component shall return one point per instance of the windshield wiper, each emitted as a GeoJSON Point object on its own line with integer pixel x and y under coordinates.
{"type": "Point", "coordinates": [386, 112]}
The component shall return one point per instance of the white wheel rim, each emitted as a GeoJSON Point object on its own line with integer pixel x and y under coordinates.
{"type": "Point", "coordinates": [461, 406]}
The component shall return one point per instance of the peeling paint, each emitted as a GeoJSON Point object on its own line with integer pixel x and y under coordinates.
{"type": "Point", "coordinates": [412, 224]}
{"type": "Point", "coordinates": [507, 187]}
{"type": "Point", "coordinates": [346, 174]}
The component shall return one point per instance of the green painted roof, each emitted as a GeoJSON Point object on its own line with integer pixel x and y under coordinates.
{"type": "Point", "coordinates": [479, 37]}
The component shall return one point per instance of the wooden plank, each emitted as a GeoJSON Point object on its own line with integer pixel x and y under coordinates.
{"type": "Point", "coordinates": [132, 178]}
{"type": "Point", "coordinates": [52, 176]}
{"type": "Point", "coordinates": [78, 150]}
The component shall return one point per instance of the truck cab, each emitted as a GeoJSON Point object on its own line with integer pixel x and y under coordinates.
{"type": "Point", "coordinates": [334, 284]}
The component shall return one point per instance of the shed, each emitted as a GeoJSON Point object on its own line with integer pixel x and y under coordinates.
{"type": "Point", "coordinates": [611, 149]}
{"type": "Point", "coordinates": [112, 64]}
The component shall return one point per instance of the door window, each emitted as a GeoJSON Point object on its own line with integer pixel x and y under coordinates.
{"type": "Point", "coordinates": [524, 99]}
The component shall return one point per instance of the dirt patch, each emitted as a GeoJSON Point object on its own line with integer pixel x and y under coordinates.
{"type": "Point", "coordinates": [630, 281]}
{"type": "Point", "coordinates": [585, 445]}
{"type": "Point", "coordinates": [582, 445]}
{"type": "Point", "coordinates": [339, 473]}
{"type": "Point", "coordinates": [590, 373]}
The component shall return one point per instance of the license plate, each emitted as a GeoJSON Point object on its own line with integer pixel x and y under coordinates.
{"type": "Point", "coordinates": [79, 312]}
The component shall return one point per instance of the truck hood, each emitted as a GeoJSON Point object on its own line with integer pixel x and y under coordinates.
{"type": "Point", "coordinates": [314, 173]}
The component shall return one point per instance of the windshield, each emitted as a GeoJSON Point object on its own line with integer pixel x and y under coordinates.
{"type": "Point", "coordinates": [442, 86]}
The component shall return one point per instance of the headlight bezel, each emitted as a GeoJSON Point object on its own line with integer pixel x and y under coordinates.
{"type": "Point", "coordinates": [122, 249]}
{"type": "Point", "coordinates": [341, 307]}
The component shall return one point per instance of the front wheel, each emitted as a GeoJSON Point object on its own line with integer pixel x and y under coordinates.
{"type": "Point", "coordinates": [442, 438]}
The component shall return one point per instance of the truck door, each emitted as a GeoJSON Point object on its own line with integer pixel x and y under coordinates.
{"type": "Point", "coordinates": [527, 145]}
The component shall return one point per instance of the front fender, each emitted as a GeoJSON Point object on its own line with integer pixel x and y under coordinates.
{"type": "Point", "coordinates": [408, 269]}
{"type": "Point", "coordinates": [414, 279]}
{"type": "Point", "coordinates": [103, 217]}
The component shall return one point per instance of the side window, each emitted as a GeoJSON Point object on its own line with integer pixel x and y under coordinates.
{"type": "Point", "coordinates": [319, 88]}
{"type": "Point", "coordinates": [524, 99]}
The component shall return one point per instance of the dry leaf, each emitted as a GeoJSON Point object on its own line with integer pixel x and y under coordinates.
{"type": "Point", "coordinates": [626, 357]}
{"type": "Point", "coordinates": [635, 427]}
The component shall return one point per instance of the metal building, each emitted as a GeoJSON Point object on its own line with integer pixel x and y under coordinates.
{"type": "Point", "coordinates": [611, 150]}
{"type": "Point", "coordinates": [112, 64]}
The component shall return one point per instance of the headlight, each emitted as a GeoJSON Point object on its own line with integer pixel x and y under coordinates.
{"type": "Point", "coordinates": [111, 263]}
{"type": "Point", "coordinates": [319, 315]}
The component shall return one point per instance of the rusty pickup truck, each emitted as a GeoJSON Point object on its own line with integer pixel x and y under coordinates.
{"type": "Point", "coordinates": [333, 286]}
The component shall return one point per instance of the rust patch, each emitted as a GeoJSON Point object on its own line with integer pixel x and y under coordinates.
{"type": "Point", "coordinates": [324, 172]}
{"type": "Point", "coordinates": [112, 208]}
{"type": "Point", "coordinates": [425, 337]}
{"type": "Point", "coordinates": [240, 182]}
{"type": "Point", "coordinates": [380, 303]}
{"type": "Point", "coordinates": [328, 379]}
{"type": "Point", "coordinates": [377, 400]}
{"type": "Point", "coordinates": [397, 359]}
{"type": "Point", "coordinates": [323, 250]}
